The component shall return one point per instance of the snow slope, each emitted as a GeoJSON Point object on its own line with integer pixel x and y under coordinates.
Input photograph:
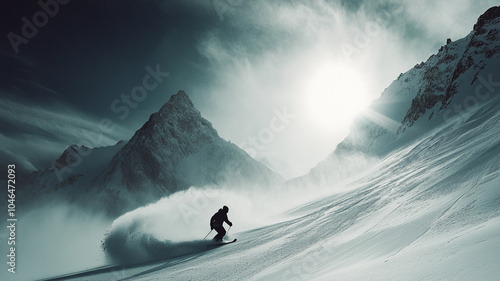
{"type": "Point", "coordinates": [428, 211]}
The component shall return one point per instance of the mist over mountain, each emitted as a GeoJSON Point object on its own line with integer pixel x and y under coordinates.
{"type": "Point", "coordinates": [175, 149]}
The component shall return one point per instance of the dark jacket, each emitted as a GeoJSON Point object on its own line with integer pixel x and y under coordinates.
{"type": "Point", "coordinates": [219, 218]}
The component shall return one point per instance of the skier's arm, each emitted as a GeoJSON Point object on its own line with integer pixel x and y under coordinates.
{"type": "Point", "coordinates": [227, 221]}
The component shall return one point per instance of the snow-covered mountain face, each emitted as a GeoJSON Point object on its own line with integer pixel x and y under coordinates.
{"type": "Point", "coordinates": [174, 150]}
{"type": "Point", "coordinates": [463, 75]}
{"type": "Point", "coordinates": [74, 170]}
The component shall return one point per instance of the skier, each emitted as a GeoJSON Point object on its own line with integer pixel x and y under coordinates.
{"type": "Point", "coordinates": [216, 223]}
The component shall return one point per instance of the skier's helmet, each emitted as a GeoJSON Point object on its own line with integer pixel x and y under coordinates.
{"type": "Point", "coordinates": [225, 209]}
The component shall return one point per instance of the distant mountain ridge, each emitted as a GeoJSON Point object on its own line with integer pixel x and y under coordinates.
{"type": "Point", "coordinates": [175, 149]}
{"type": "Point", "coordinates": [459, 76]}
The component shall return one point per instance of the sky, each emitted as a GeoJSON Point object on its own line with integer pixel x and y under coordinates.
{"type": "Point", "coordinates": [281, 79]}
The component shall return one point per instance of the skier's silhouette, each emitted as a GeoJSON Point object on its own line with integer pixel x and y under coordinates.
{"type": "Point", "coordinates": [216, 223]}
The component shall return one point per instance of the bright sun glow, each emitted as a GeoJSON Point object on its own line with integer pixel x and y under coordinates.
{"type": "Point", "coordinates": [334, 95]}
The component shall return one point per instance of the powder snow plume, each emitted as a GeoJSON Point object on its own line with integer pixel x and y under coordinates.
{"type": "Point", "coordinates": [176, 225]}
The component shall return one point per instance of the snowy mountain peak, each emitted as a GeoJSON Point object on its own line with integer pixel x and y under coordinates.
{"type": "Point", "coordinates": [178, 102]}
{"type": "Point", "coordinates": [179, 121]}
{"type": "Point", "coordinates": [456, 65]}
{"type": "Point", "coordinates": [489, 17]}
{"type": "Point", "coordinates": [68, 157]}
{"type": "Point", "coordinates": [181, 98]}
{"type": "Point", "coordinates": [175, 149]}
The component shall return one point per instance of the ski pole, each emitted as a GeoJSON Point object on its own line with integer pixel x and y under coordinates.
{"type": "Point", "coordinates": [208, 234]}
{"type": "Point", "coordinates": [228, 229]}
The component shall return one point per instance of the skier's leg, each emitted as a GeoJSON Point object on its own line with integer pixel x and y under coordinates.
{"type": "Point", "coordinates": [217, 236]}
{"type": "Point", "coordinates": [220, 233]}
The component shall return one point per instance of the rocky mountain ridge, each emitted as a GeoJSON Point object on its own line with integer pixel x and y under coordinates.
{"type": "Point", "coordinates": [175, 149]}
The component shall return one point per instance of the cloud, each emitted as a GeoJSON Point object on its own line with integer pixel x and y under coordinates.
{"type": "Point", "coordinates": [59, 123]}
{"type": "Point", "coordinates": [264, 54]}
{"type": "Point", "coordinates": [442, 19]}
{"type": "Point", "coordinates": [22, 161]}
{"type": "Point", "coordinates": [264, 57]}
{"type": "Point", "coordinates": [34, 135]}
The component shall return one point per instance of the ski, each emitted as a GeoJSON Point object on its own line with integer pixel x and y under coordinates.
{"type": "Point", "coordinates": [225, 243]}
